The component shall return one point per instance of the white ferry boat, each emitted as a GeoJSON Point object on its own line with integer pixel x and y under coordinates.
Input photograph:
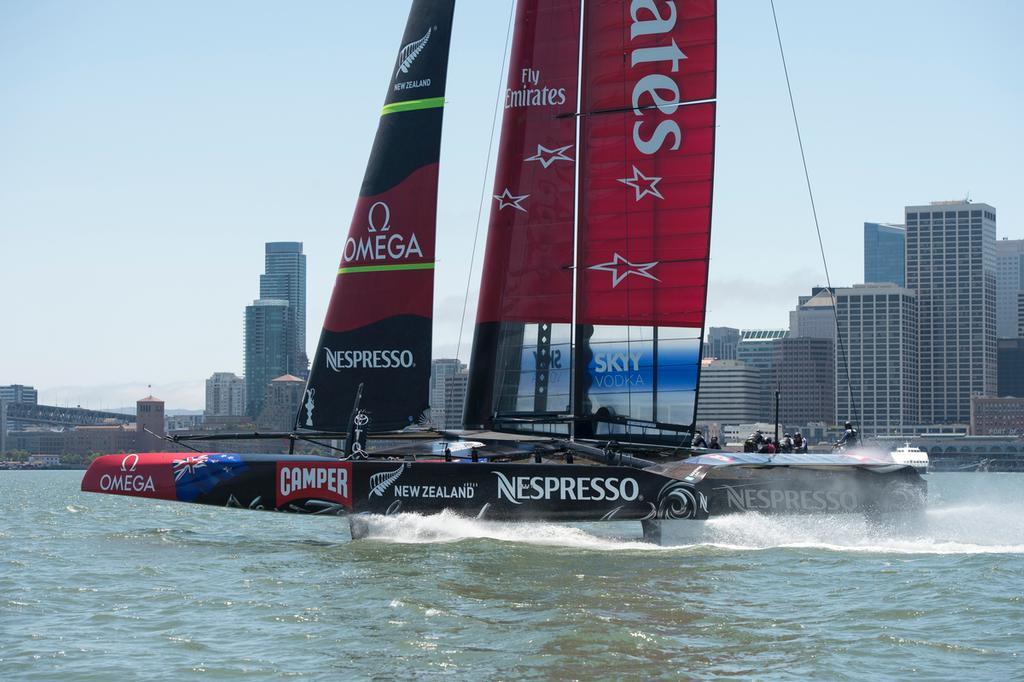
{"type": "Point", "coordinates": [911, 455]}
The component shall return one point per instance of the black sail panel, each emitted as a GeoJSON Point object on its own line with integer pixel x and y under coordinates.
{"type": "Point", "coordinates": [378, 327]}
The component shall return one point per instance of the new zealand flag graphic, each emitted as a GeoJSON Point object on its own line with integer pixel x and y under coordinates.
{"type": "Point", "coordinates": [200, 473]}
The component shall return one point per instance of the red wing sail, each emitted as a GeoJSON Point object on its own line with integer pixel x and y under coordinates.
{"type": "Point", "coordinates": [647, 161]}
{"type": "Point", "coordinates": [379, 320]}
{"type": "Point", "coordinates": [521, 355]}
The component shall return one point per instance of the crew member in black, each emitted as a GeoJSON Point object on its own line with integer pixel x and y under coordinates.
{"type": "Point", "coordinates": [713, 445]}
{"type": "Point", "coordinates": [798, 443]}
{"type": "Point", "coordinates": [849, 438]}
{"type": "Point", "coordinates": [698, 440]}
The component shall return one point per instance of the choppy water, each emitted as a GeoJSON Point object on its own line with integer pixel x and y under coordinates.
{"type": "Point", "coordinates": [98, 587]}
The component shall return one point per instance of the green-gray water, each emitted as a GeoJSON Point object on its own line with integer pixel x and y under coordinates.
{"type": "Point", "coordinates": [97, 587]}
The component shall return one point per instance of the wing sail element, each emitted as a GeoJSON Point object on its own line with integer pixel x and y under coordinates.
{"type": "Point", "coordinates": [647, 139]}
{"type": "Point", "coordinates": [521, 347]}
{"type": "Point", "coordinates": [379, 321]}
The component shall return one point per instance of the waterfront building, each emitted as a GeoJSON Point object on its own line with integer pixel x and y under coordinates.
{"type": "Point", "coordinates": [814, 316]}
{"type": "Point", "coordinates": [720, 343]}
{"type": "Point", "coordinates": [1011, 368]}
{"type": "Point", "coordinates": [17, 393]}
{"type": "Point", "coordinates": [285, 280]}
{"type": "Point", "coordinates": [225, 395]}
{"type": "Point", "coordinates": [149, 424]}
{"type": "Point", "coordinates": [879, 327]}
{"type": "Point", "coordinates": [884, 253]}
{"type": "Point", "coordinates": [951, 265]}
{"type": "Point", "coordinates": [184, 422]}
{"type": "Point", "coordinates": [805, 376]}
{"type": "Point", "coordinates": [266, 349]}
{"type": "Point", "coordinates": [730, 393]}
{"type": "Point", "coordinates": [449, 378]}
{"type": "Point", "coordinates": [997, 416]}
{"type": "Point", "coordinates": [1009, 287]}
{"type": "Point", "coordinates": [756, 348]}
{"type": "Point", "coordinates": [281, 398]}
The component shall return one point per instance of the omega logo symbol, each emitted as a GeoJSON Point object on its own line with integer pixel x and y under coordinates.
{"type": "Point", "coordinates": [372, 223]}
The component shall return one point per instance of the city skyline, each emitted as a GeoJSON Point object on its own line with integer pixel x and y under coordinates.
{"type": "Point", "coordinates": [177, 166]}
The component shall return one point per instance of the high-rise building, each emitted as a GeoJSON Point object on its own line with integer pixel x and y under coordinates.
{"type": "Point", "coordinates": [1009, 287]}
{"type": "Point", "coordinates": [884, 249]}
{"type": "Point", "coordinates": [266, 349]}
{"type": "Point", "coordinates": [730, 393]}
{"type": "Point", "coordinates": [805, 376]}
{"type": "Point", "coordinates": [879, 326]}
{"type": "Point", "coordinates": [285, 280]}
{"type": "Point", "coordinates": [225, 395]}
{"type": "Point", "coordinates": [720, 343]}
{"type": "Point", "coordinates": [448, 381]}
{"type": "Point", "coordinates": [281, 398]}
{"type": "Point", "coordinates": [757, 349]}
{"type": "Point", "coordinates": [814, 317]}
{"type": "Point", "coordinates": [1011, 368]}
{"type": "Point", "coordinates": [17, 393]}
{"type": "Point", "coordinates": [951, 264]}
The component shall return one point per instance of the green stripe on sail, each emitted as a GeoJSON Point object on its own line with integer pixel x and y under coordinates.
{"type": "Point", "coordinates": [412, 105]}
{"type": "Point", "coordinates": [385, 268]}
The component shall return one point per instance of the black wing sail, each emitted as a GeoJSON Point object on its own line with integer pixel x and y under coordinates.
{"type": "Point", "coordinates": [379, 321]}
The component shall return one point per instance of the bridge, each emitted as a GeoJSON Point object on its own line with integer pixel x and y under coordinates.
{"type": "Point", "coordinates": [51, 415]}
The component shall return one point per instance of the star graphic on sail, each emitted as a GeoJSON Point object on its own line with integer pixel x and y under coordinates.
{"type": "Point", "coordinates": [506, 199]}
{"type": "Point", "coordinates": [622, 268]}
{"type": "Point", "coordinates": [643, 184]}
{"type": "Point", "coordinates": [549, 156]}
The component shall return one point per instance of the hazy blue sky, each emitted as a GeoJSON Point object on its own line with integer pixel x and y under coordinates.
{"type": "Point", "coordinates": [148, 150]}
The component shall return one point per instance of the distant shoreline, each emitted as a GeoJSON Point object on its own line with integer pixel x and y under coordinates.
{"type": "Point", "coordinates": [36, 467]}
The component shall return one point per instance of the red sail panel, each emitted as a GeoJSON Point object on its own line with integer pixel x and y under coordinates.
{"type": "Point", "coordinates": [648, 162]}
{"type": "Point", "coordinates": [527, 274]}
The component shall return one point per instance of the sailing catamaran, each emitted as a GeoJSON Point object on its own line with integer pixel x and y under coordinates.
{"type": "Point", "coordinates": [583, 388]}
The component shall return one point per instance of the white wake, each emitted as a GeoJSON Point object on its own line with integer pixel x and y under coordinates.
{"type": "Point", "coordinates": [990, 528]}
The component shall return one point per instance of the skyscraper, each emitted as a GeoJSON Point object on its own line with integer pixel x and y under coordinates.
{"type": "Point", "coordinates": [884, 249]}
{"type": "Point", "coordinates": [285, 280]}
{"type": "Point", "coordinates": [951, 264]}
{"type": "Point", "coordinates": [757, 349]}
{"type": "Point", "coordinates": [1009, 286]}
{"type": "Point", "coordinates": [805, 375]}
{"type": "Point", "coordinates": [721, 342]}
{"type": "Point", "coordinates": [266, 349]}
{"type": "Point", "coordinates": [879, 326]}
{"type": "Point", "coordinates": [814, 317]}
{"type": "Point", "coordinates": [730, 393]}
{"type": "Point", "coordinates": [225, 395]}
{"type": "Point", "coordinates": [448, 382]}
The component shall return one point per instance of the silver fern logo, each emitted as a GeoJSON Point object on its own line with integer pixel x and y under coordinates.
{"type": "Point", "coordinates": [379, 483]}
{"type": "Point", "coordinates": [410, 52]}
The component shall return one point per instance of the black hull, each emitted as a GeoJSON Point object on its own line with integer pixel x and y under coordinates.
{"type": "Point", "coordinates": [694, 489]}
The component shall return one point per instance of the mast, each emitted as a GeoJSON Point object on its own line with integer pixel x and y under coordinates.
{"type": "Point", "coordinates": [378, 327]}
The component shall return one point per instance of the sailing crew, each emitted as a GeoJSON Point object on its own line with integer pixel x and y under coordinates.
{"type": "Point", "coordinates": [698, 440]}
{"type": "Point", "coordinates": [754, 442]}
{"type": "Point", "coordinates": [799, 444]}
{"type": "Point", "coordinates": [849, 438]}
{"type": "Point", "coordinates": [768, 448]}
{"type": "Point", "coordinates": [713, 445]}
{"type": "Point", "coordinates": [787, 444]}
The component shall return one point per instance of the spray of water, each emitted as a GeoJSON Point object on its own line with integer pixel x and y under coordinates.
{"type": "Point", "coordinates": [988, 526]}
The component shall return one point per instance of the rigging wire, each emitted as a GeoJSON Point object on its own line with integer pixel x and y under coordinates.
{"type": "Point", "coordinates": [817, 226]}
{"type": "Point", "coordinates": [483, 186]}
